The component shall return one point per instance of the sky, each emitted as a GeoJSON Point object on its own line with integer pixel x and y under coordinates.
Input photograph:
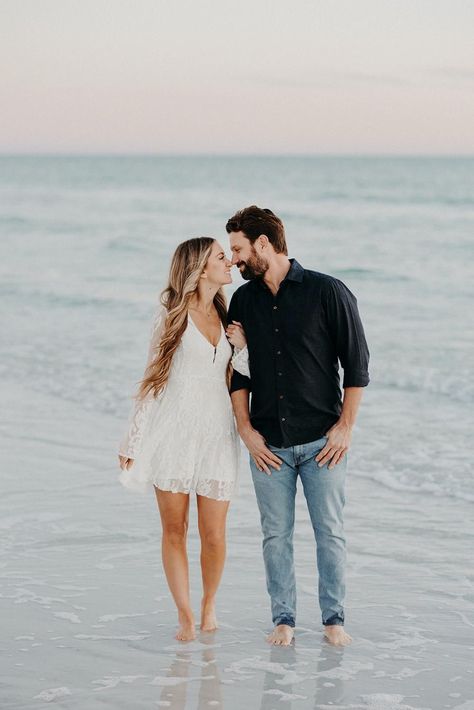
{"type": "Point", "coordinates": [247, 77]}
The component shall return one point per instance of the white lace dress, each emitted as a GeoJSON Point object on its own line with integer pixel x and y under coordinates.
{"type": "Point", "coordinates": [185, 439]}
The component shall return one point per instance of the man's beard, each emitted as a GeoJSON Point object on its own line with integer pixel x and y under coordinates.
{"type": "Point", "coordinates": [255, 267]}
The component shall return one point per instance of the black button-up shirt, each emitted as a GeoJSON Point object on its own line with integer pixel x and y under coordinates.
{"type": "Point", "coordinates": [296, 340]}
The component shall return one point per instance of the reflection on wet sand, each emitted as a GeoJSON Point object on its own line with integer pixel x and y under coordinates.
{"type": "Point", "coordinates": [174, 695]}
{"type": "Point", "coordinates": [290, 676]}
{"type": "Point", "coordinates": [290, 667]}
{"type": "Point", "coordinates": [182, 671]}
{"type": "Point", "coordinates": [329, 686]}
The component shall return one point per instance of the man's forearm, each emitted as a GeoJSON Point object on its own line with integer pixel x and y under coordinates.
{"type": "Point", "coordinates": [340, 434]}
{"type": "Point", "coordinates": [240, 403]}
{"type": "Point", "coordinates": [253, 440]}
{"type": "Point", "coordinates": [350, 405]}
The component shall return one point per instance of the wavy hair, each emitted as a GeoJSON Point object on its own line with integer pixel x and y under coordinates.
{"type": "Point", "coordinates": [187, 265]}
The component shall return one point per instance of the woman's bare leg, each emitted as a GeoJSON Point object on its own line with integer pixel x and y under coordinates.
{"type": "Point", "coordinates": [174, 512]}
{"type": "Point", "coordinates": [211, 519]}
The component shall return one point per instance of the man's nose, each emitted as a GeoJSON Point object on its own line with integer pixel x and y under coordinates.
{"type": "Point", "coordinates": [235, 259]}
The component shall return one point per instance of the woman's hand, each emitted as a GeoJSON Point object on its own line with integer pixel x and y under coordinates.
{"type": "Point", "coordinates": [236, 335]}
{"type": "Point", "coordinates": [125, 463]}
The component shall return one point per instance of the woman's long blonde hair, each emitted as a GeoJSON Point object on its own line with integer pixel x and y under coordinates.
{"type": "Point", "coordinates": [187, 265]}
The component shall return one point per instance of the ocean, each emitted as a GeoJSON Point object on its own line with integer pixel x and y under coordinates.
{"type": "Point", "coordinates": [86, 244]}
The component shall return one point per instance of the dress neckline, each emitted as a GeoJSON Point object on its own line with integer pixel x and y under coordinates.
{"type": "Point", "coordinates": [202, 334]}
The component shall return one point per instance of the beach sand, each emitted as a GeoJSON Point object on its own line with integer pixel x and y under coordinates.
{"type": "Point", "coordinates": [88, 621]}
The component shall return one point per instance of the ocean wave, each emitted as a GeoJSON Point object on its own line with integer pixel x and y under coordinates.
{"type": "Point", "coordinates": [75, 300]}
{"type": "Point", "coordinates": [389, 480]}
{"type": "Point", "coordinates": [458, 386]}
{"type": "Point", "coordinates": [372, 274]}
{"type": "Point", "coordinates": [126, 245]}
{"type": "Point", "coordinates": [14, 221]}
{"type": "Point", "coordinates": [438, 199]}
{"type": "Point", "coordinates": [355, 196]}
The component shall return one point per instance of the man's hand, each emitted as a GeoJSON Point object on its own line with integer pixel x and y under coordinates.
{"type": "Point", "coordinates": [263, 457]}
{"type": "Point", "coordinates": [125, 463]}
{"type": "Point", "coordinates": [339, 440]}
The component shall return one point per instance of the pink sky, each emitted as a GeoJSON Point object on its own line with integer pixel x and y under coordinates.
{"type": "Point", "coordinates": [305, 76]}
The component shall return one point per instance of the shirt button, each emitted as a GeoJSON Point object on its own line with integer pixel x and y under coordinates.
{"type": "Point", "coordinates": [275, 308]}
{"type": "Point", "coordinates": [283, 419]}
{"type": "Point", "coordinates": [281, 396]}
{"type": "Point", "coordinates": [278, 352]}
{"type": "Point", "coordinates": [276, 330]}
{"type": "Point", "coordinates": [280, 373]}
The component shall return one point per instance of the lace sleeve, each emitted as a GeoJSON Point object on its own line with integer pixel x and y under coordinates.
{"type": "Point", "coordinates": [131, 442]}
{"type": "Point", "coordinates": [240, 361]}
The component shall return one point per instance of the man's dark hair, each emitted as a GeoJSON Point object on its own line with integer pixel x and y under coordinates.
{"type": "Point", "coordinates": [254, 221]}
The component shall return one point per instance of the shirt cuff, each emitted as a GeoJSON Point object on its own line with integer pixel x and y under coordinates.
{"type": "Point", "coordinates": [356, 378]}
{"type": "Point", "coordinates": [239, 382]}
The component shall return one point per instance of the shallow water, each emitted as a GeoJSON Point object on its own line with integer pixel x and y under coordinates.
{"type": "Point", "coordinates": [87, 620]}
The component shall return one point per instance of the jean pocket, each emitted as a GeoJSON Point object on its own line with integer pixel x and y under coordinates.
{"type": "Point", "coordinates": [319, 444]}
{"type": "Point", "coordinates": [272, 448]}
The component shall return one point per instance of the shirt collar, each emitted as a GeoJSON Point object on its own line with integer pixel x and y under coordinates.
{"type": "Point", "coordinates": [295, 273]}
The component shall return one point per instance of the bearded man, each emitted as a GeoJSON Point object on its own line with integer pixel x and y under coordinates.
{"type": "Point", "coordinates": [300, 326]}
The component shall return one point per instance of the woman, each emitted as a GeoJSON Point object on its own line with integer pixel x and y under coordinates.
{"type": "Point", "coordinates": [182, 436]}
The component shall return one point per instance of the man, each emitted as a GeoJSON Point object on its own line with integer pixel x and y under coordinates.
{"type": "Point", "coordinates": [300, 325]}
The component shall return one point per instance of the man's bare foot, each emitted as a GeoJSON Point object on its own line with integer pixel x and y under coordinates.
{"type": "Point", "coordinates": [282, 635]}
{"type": "Point", "coordinates": [187, 629]}
{"type": "Point", "coordinates": [336, 635]}
{"type": "Point", "coordinates": [208, 616]}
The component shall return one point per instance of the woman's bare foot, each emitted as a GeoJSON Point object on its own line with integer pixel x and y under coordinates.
{"type": "Point", "coordinates": [208, 616]}
{"type": "Point", "coordinates": [282, 635]}
{"type": "Point", "coordinates": [336, 635]}
{"type": "Point", "coordinates": [187, 629]}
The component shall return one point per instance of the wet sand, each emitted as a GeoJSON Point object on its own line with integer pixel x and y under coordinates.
{"type": "Point", "coordinates": [88, 622]}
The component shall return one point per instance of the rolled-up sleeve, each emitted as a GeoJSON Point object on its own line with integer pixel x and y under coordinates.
{"type": "Point", "coordinates": [347, 333]}
{"type": "Point", "coordinates": [238, 381]}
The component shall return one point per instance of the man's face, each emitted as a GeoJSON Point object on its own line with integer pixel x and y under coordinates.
{"type": "Point", "coordinates": [244, 255]}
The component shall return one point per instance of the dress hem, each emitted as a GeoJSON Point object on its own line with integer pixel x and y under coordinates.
{"type": "Point", "coordinates": [141, 486]}
{"type": "Point", "coordinates": [189, 491]}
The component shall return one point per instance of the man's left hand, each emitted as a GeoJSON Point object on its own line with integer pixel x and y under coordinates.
{"type": "Point", "coordinates": [337, 445]}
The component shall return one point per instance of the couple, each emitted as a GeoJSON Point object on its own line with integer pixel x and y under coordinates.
{"type": "Point", "coordinates": [289, 328]}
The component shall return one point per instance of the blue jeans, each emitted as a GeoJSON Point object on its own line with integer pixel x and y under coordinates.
{"type": "Point", "coordinates": [324, 493]}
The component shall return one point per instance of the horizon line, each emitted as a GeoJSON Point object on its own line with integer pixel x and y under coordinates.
{"type": "Point", "coordinates": [137, 154]}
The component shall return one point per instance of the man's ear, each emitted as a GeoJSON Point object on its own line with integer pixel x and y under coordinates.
{"type": "Point", "coordinates": [263, 241]}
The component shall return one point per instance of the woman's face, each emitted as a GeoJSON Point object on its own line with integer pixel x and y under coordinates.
{"type": "Point", "coordinates": [218, 266]}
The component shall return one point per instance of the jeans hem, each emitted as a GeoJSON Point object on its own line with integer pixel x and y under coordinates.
{"type": "Point", "coordinates": [288, 621]}
{"type": "Point", "coordinates": [334, 621]}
